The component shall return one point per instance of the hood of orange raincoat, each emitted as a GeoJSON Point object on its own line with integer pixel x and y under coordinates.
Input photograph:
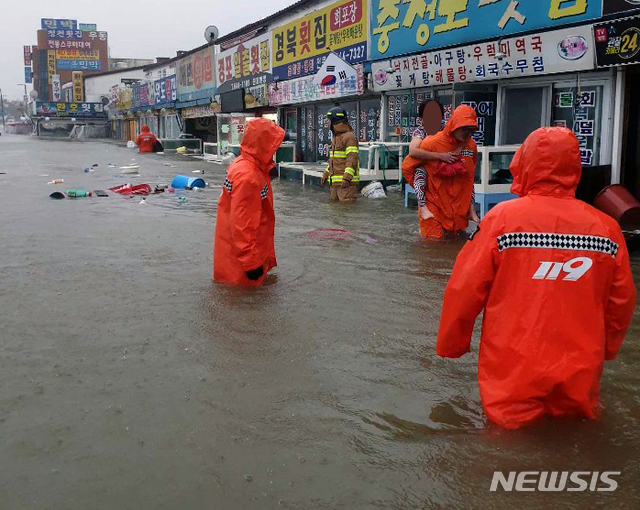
{"type": "Point", "coordinates": [462, 116]}
{"type": "Point", "coordinates": [547, 163]}
{"type": "Point", "coordinates": [144, 129]}
{"type": "Point", "coordinates": [261, 141]}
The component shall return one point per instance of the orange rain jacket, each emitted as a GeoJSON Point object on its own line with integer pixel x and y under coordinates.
{"type": "Point", "coordinates": [246, 221]}
{"type": "Point", "coordinates": [553, 277]}
{"type": "Point", "coordinates": [145, 140]}
{"type": "Point", "coordinates": [448, 198]}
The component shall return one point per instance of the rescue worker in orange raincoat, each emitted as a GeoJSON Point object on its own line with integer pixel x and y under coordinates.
{"type": "Point", "coordinates": [449, 197]}
{"type": "Point", "coordinates": [343, 170]}
{"type": "Point", "coordinates": [145, 140]}
{"type": "Point", "coordinates": [552, 275]}
{"type": "Point", "coordinates": [244, 251]}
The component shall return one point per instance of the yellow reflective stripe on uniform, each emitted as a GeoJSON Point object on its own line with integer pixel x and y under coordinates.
{"type": "Point", "coordinates": [327, 170]}
{"type": "Point", "coordinates": [350, 171]}
{"type": "Point", "coordinates": [339, 178]}
{"type": "Point", "coordinates": [337, 154]}
{"type": "Point", "coordinates": [352, 149]}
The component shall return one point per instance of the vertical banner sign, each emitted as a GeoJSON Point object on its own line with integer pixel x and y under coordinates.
{"type": "Point", "coordinates": [56, 88]}
{"type": "Point", "coordinates": [51, 64]}
{"type": "Point", "coordinates": [28, 77]}
{"type": "Point", "coordinates": [78, 87]}
{"type": "Point", "coordinates": [300, 47]}
{"type": "Point", "coordinates": [27, 55]}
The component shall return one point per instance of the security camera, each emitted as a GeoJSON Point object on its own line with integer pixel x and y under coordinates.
{"type": "Point", "coordinates": [500, 55]}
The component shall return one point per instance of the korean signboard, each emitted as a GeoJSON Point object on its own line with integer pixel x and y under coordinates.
{"type": "Point", "coordinates": [63, 44]}
{"type": "Point", "coordinates": [61, 24]}
{"type": "Point", "coordinates": [75, 35]}
{"type": "Point", "coordinates": [140, 95]}
{"type": "Point", "coordinates": [578, 111]}
{"type": "Point", "coordinates": [56, 90]}
{"type": "Point", "coordinates": [615, 6]}
{"type": "Point", "coordinates": [70, 109]}
{"type": "Point", "coordinates": [299, 48]}
{"type": "Point", "coordinates": [77, 54]}
{"type": "Point", "coordinates": [194, 112]}
{"type": "Point", "coordinates": [78, 65]}
{"type": "Point", "coordinates": [302, 90]}
{"type": "Point", "coordinates": [196, 77]}
{"type": "Point", "coordinates": [27, 55]}
{"type": "Point", "coordinates": [165, 90]}
{"type": "Point", "coordinates": [407, 26]}
{"type": "Point", "coordinates": [246, 65]}
{"type": "Point", "coordinates": [78, 86]}
{"type": "Point", "coordinates": [124, 98]}
{"type": "Point", "coordinates": [51, 64]}
{"type": "Point", "coordinates": [565, 50]}
{"type": "Point", "coordinates": [88, 27]}
{"type": "Point", "coordinates": [28, 75]}
{"type": "Point", "coordinates": [618, 42]}
{"type": "Point", "coordinates": [255, 97]}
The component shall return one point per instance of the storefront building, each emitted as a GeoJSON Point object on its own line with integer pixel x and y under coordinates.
{"type": "Point", "coordinates": [618, 50]}
{"type": "Point", "coordinates": [319, 60]}
{"type": "Point", "coordinates": [196, 88]}
{"type": "Point", "coordinates": [243, 71]}
{"type": "Point", "coordinates": [516, 84]}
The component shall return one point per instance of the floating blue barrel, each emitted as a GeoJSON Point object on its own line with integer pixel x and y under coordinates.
{"type": "Point", "coordinates": [182, 181]}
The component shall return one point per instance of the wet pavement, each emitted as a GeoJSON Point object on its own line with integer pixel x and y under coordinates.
{"type": "Point", "coordinates": [128, 380]}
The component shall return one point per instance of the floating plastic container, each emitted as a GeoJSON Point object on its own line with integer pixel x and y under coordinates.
{"type": "Point", "coordinates": [617, 202]}
{"type": "Point", "coordinates": [182, 181]}
{"type": "Point", "coordinates": [374, 190]}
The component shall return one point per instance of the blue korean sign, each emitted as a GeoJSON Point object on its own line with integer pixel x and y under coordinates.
{"type": "Point", "coordinates": [28, 76]}
{"type": "Point", "coordinates": [88, 27]}
{"type": "Point", "coordinates": [165, 90]}
{"type": "Point", "coordinates": [62, 24]}
{"type": "Point", "coordinates": [407, 26]}
{"type": "Point", "coordinates": [78, 65]}
{"type": "Point", "coordinates": [80, 110]}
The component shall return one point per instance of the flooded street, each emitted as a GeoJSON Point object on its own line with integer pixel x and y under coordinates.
{"type": "Point", "coordinates": [128, 380]}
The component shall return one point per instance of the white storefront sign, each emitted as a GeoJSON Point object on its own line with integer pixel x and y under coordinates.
{"type": "Point", "coordinates": [559, 51]}
{"type": "Point", "coordinates": [303, 90]}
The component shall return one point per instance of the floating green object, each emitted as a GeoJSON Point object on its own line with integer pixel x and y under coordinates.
{"type": "Point", "coordinates": [77, 193]}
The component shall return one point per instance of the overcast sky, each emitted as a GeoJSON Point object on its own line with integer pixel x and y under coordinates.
{"type": "Point", "coordinates": [136, 28]}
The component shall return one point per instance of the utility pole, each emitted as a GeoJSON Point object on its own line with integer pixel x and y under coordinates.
{"type": "Point", "coordinates": [25, 100]}
{"type": "Point", "coordinates": [4, 127]}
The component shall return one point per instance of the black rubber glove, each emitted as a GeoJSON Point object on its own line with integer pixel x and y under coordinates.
{"type": "Point", "coordinates": [255, 274]}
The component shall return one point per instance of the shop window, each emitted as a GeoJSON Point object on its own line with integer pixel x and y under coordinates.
{"type": "Point", "coordinates": [523, 112]}
{"type": "Point", "coordinates": [291, 124]}
{"type": "Point", "coordinates": [369, 125]}
{"type": "Point", "coordinates": [402, 115]}
{"type": "Point", "coordinates": [499, 167]}
{"type": "Point", "coordinates": [581, 111]}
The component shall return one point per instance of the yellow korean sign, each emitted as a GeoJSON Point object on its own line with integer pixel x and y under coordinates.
{"type": "Point", "coordinates": [76, 54]}
{"type": "Point", "coordinates": [78, 87]}
{"type": "Point", "coordinates": [298, 47]}
{"type": "Point", "coordinates": [51, 63]}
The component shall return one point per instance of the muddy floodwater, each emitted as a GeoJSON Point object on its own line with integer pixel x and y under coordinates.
{"type": "Point", "coordinates": [128, 380]}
